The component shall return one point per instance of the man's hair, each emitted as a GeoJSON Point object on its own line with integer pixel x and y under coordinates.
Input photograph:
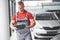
{"type": "Point", "coordinates": [20, 3]}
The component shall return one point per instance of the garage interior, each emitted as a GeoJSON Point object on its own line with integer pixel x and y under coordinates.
{"type": "Point", "coordinates": [46, 14]}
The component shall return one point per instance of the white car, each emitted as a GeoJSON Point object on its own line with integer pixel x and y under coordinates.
{"type": "Point", "coordinates": [47, 25]}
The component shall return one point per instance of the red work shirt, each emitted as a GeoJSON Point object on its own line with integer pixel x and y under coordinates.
{"type": "Point", "coordinates": [23, 15]}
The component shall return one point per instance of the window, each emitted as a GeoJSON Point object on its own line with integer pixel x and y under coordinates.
{"type": "Point", "coordinates": [35, 2]}
{"type": "Point", "coordinates": [30, 3]}
{"type": "Point", "coordinates": [56, 0]}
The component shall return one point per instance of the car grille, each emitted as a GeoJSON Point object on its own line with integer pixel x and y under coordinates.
{"type": "Point", "coordinates": [51, 32]}
{"type": "Point", "coordinates": [48, 28]}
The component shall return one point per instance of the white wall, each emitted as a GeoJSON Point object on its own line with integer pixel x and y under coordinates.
{"type": "Point", "coordinates": [4, 20]}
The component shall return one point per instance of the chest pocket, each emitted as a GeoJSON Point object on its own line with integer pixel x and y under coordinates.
{"type": "Point", "coordinates": [21, 23]}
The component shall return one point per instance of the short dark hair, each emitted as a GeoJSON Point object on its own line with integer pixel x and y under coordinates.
{"type": "Point", "coordinates": [20, 3]}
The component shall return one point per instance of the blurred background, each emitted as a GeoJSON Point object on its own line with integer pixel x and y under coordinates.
{"type": "Point", "coordinates": [46, 14]}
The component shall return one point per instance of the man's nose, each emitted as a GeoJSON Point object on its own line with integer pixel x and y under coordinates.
{"type": "Point", "coordinates": [20, 7]}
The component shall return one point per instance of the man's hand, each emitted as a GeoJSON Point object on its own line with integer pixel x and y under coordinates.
{"type": "Point", "coordinates": [12, 24]}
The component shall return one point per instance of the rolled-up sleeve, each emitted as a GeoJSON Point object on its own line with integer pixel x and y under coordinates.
{"type": "Point", "coordinates": [30, 16]}
{"type": "Point", "coordinates": [14, 17]}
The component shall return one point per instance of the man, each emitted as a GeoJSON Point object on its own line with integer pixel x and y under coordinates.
{"type": "Point", "coordinates": [21, 22]}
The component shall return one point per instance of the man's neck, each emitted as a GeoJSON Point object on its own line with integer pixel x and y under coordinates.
{"type": "Point", "coordinates": [21, 11]}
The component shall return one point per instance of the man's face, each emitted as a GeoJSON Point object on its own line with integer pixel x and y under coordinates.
{"type": "Point", "coordinates": [21, 7]}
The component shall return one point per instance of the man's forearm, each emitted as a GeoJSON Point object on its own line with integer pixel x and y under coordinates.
{"type": "Point", "coordinates": [12, 24]}
{"type": "Point", "coordinates": [32, 24]}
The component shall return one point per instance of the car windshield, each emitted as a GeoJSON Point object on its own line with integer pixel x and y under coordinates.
{"type": "Point", "coordinates": [45, 16]}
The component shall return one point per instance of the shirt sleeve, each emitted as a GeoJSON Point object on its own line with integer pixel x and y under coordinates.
{"type": "Point", "coordinates": [30, 16]}
{"type": "Point", "coordinates": [14, 17]}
